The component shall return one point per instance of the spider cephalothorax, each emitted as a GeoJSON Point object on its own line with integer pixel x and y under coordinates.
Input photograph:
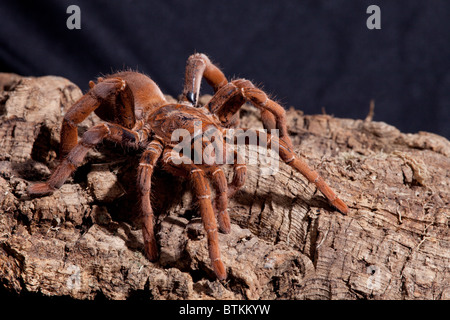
{"type": "Point", "coordinates": [137, 115]}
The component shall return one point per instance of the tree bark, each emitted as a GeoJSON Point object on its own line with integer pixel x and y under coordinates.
{"type": "Point", "coordinates": [286, 242]}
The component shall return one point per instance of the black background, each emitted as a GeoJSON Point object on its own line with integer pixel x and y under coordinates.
{"type": "Point", "coordinates": [306, 54]}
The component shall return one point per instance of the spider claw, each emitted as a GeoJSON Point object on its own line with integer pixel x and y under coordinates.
{"type": "Point", "coordinates": [224, 223]}
{"type": "Point", "coordinates": [191, 97]}
{"type": "Point", "coordinates": [340, 205]}
{"type": "Point", "coordinates": [225, 228]}
{"type": "Point", "coordinates": [219, 270]}
{"type": "Point", "coordinates": [151, 252]}
{"type": "Point", "coordinates": [150, 247]}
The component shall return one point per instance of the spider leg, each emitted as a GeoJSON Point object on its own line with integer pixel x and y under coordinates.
{"type": "Point", "coordinates": [239, 174]}
{"type": "Point", "coordinates": [225, 190]}
{"type": "Point", "coordinates": [202, 191]}
{"type": "Point", "coordinates": [289, 157]}
{"type": "Point", "coordinates": [230, 98]}
{"type": "Point", "coordinates": [75, 157]}
{"type": "Point", "coordinates": [198, 66]}
{"type": "Point", "coordinates": [111, 99]}
{"type": "Point", "coordinates": [145, 171]}
{"type": "Point", "coordinates": [221, 201]}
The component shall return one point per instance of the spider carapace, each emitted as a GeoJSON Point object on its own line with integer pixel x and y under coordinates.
{"type": "Point", "coordinates": [136, 114]}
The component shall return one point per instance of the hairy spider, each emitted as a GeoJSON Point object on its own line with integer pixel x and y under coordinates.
{"type": "Point", "coordinates": [137, 115]}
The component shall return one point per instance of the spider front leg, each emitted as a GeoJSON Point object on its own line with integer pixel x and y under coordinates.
{"type": "Point", "coordinates": [145, 172]}
{"type": "Point", "coordinates": [226, 190]}
{"type": "Point", "coordinates": [111, 99]}
{"type": "Point", "coordinates": [239, 174]}
{"type": "Point", "coordinates": [221, 201]}
{"type": "Point", "coordinates": [183, 166]}
{"type": "Point", "coordinates": [230, 98]}
{"type": "Point", "coordinates": [290, 158]}
{"type": "Point", "coordinates": [198, 66]}
{"type": "Point", "coordinates": [91, 138]}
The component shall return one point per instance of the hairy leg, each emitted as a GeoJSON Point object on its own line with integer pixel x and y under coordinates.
{"type": "Point", "coordinates": [289, 157]}
{"type": "Point", "coordinates": [111, 99]}
{"type": "Point", "coordinates": [230, 98]}
{"type": "Point", "coordinates": [145, 171]}
{"type": "Point", "coordinates": [202, 191]}
{"type": "Point", "coordinates": [75, 157]}
{"type": "Point", "coordinates": [221, 201]}
{"type": "Point", "coordinates": [199, 66]}
{"type": "Point", "coordinates": [239, 174]}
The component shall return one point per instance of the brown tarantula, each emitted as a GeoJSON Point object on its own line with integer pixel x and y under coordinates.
{"type": "Point", "coordinates": [137, 115]}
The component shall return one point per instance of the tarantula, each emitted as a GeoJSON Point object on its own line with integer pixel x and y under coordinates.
{"type": "Point", "coordinates": [137, 115]}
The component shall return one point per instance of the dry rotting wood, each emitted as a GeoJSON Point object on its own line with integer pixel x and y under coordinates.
{"type": "Point", "coordinates": [286, 241]}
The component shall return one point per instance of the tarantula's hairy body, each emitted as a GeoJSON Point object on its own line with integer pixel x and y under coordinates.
{"type": "Point", "coordinates": [137, 115]}
{"type": "Point", "coordinates": [171, 117]}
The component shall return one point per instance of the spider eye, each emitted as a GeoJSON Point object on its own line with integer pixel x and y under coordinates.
{"type": "Point", "coordinates": [191, 97]}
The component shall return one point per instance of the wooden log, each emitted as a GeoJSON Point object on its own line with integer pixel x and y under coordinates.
{"type": "Point", "coordinates": [286, 242]}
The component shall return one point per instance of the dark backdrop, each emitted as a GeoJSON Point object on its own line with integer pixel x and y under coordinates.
{"type": "Point", "coordinates": [307, 54]}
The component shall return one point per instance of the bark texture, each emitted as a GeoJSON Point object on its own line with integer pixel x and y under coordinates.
{"type": "Point", "coordinates": [286, 242]}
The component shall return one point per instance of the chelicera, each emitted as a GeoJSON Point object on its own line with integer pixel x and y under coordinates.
{"type": "Point", "coordinates": [137, 115]}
